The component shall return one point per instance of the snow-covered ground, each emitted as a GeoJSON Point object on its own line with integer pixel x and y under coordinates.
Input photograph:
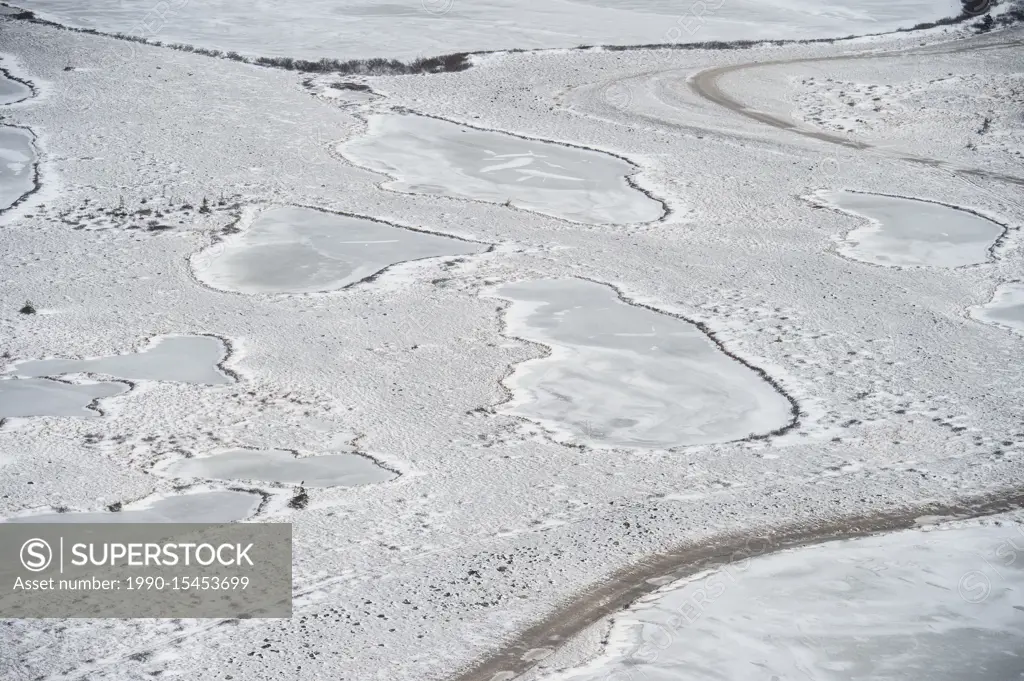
{"type": "Point", "coordinates": [491, 523]}
{"type": "Point", "coordinates": [357, 29]}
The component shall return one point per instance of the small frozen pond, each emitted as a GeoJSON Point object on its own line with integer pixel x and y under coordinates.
{"type": "Point", "coordinates": [1005, 309]}
{"type": "Point", "coordinates": [300, 250]}
{"type": "Point", "coordinates": [17, 165]}
{"type": "Point", "coordinates": [906, 232]}
{"type": "Point", "coordinates": [12, 91]}
{"type": "Point", "coordinates": [180, 359]}
{"type": "Point", "coordinates": [332, 470]}
{"type": "Point", "coordinates": [24, 397]}
{"type": "Point", "coordinates": [202, 507]}
{"type": "Point", "coordinates": [939, 605]}
{"type": "Point", "coordinates": [430, 156]}
{"type": "Point", "coordinates": [624, 376]}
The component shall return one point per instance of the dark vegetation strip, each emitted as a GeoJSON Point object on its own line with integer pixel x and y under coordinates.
{"type": "Point", "coordinates": [460, 61]}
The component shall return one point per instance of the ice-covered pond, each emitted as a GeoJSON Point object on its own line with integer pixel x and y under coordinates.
{"type": "Point", "coordinates": [430, 156]}
{"type": "Point", "coordinates": [24, 397]}
{"type": "Point", "coordinates": [620, 375]}
{"type": "Point", "coordinates": [939, 605]}
{"type": "Point", "coordinates": [329, 470]}
{"type": "Point", "coordinates": [908, 232]}
{"type": "Point", "coordinates": [12, 90]}
{"type": "Point", "coordinates": [17, 165]}
{"type": "Point", "coordinates": [223, 506]}
{"type": "Point", "coordinates": [1005, 309]}
{"type": "Point", "coordinates": [182, 359]}
{"type": "Point", "coordinates": [301, 250]}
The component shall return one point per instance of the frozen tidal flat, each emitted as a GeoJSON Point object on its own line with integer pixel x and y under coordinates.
{"type": "Point", "coordinates": [905, 232]}
{"type": "Point", "coordinates": [17, 165]}
{"type": "Point", "coordinates": [181, 359]}
{"type": "Point", "coordinates": [624, 376]}
{"type": "Point", "coordinates": [12, 91]}
{"type": "Point", "coordinates": [350, 29]}
{"type": "Point", "coordinates": [300, 250]}
{"type": "Point", "coordinates": [202, 507]}
{"type": "Point", "coordinates": [331, 470]}
{"type": "Point", "coordinates": [430, 156]}
{"type": "Point", "coordinates": [940, 605]}
{"type": "Point", "coordinates": [24, 397]}
{"type": "Point", "coordinates": [1005, 309]}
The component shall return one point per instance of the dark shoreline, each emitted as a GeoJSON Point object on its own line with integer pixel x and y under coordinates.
{"type": "Point", "coordinates": [624, 587]}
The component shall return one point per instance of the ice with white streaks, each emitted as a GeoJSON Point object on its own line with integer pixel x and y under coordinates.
{"type": "Point", "coordinates": [620, 375]}
{"type": "Point", "coordinates": [936, 605]}
{"type": "Point", "coordinates": [17, 165]}
{"type": "Point", "coordinates": [906, 232]}
{"type": "Point", "coordinates": [12, 90]}
{"type": "Point", "coordinates": [26, 397]}
{"type": "Point", "coordinates": [301, 250]}
{"type": "Point", "coordinates": [179, 359]}
{"type": "Point", "coordinates": [1005, 309]}
{"type": "Point", "coordinates": [430, 156]}
{"type": "Point", "coordinates": [329, 470]}
{"type": "Point", "coordinates": [223, 506]}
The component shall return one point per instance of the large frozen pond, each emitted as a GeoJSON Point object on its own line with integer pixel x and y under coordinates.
{"type": "Point", "coordinates": [24, 397]}
{"type": "Point", "coordinates": [300, 250]}
{"type": "Point", "coordinates": [181, 359]}
{"type": "Point", "coordinates": [905, 232]}
{"type": "Point", "coordinates": [624, 376]}
{"type": "Point", "coordinates": [351, 29]}
{"type": "Point", "coordinates": [17, 165]}
{"type": "Point", "coordinates": [202, 507]}
{"type": "Point", "coordinates": [941, 605]}
{"type": "Point", "coordinates": [430, 156]}
{"type": "Point", "coordinates": [12, 90]}
{"type": "Point", "coordinates": [331, 470]}
{"type": "Point", "coordinates": [1005, 309]}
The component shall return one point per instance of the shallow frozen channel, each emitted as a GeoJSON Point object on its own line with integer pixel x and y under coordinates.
{"type": "Point", "coordinates": [12, 90]}
{"type": "Point", "coordinates": [906, 232]}
{"type": "Point", "coordinates": [202, 507]}
{"type": "Point", "coordinates": [940, 605]}
{"type": "Point", "coordinates": [331, 470]}
{"type": "Point", "coordinates": [300, 250]}
{"type": "Point", "coordinates": [624, 376]}
{"type": "Point", "coordinates": [1005, 309]}
{"type": "Point", "coordinates": [181, 359]}
{"type": "Point", "coordinates": [430, 156]}
{"type": "Point", "coordinates": [17, 165]}
{"type": "Point", "coordinates": [24, 397]}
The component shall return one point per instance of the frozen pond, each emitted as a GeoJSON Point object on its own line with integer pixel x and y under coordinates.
{"type": "Point", "coordinates": [429, 156]}
{"type": "Point", "coordinates": [180, 359]}
{"type": "Point", "coordinates": [940, 605]}
{"type": "Point", "coordinates": [1005, 309]}
{"type": "Point", "coordinates": [300, 250]}
{"type": "Point", "coordinates": [624, 376]}
{"type": "Point", "coordinates": [12, 90]}
{"type": "Point", "coordinates": [351, 29]}
{"type": "Point", "coordinates": [17, 165]}
{"type": "Point", "coordinates": [23, 397]}
{"type": "Point", "coordinates": [202, 507]}
{"type": "Point", "coordinates": [905, 232]}
{"type": "Point", "coordinates": [332, 470]}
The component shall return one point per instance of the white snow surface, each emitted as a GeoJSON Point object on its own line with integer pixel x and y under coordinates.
{"type": "Point", "coordinates": [24, 397]}
{"type": "Point", "coordinates": [17, 164]}
{"type": "Point", "coordinates": [281, 467]}
{"type": "Point", "coordinates": [222, 506]}
{"type": "Point", "coordinates": [938, 603]}
{"type": "Point", "coordinates": [904, 398]}
{"type": "Point", "coordinates": [349, 29]}
{"type": "Point", "coordinates": [624, 376]}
